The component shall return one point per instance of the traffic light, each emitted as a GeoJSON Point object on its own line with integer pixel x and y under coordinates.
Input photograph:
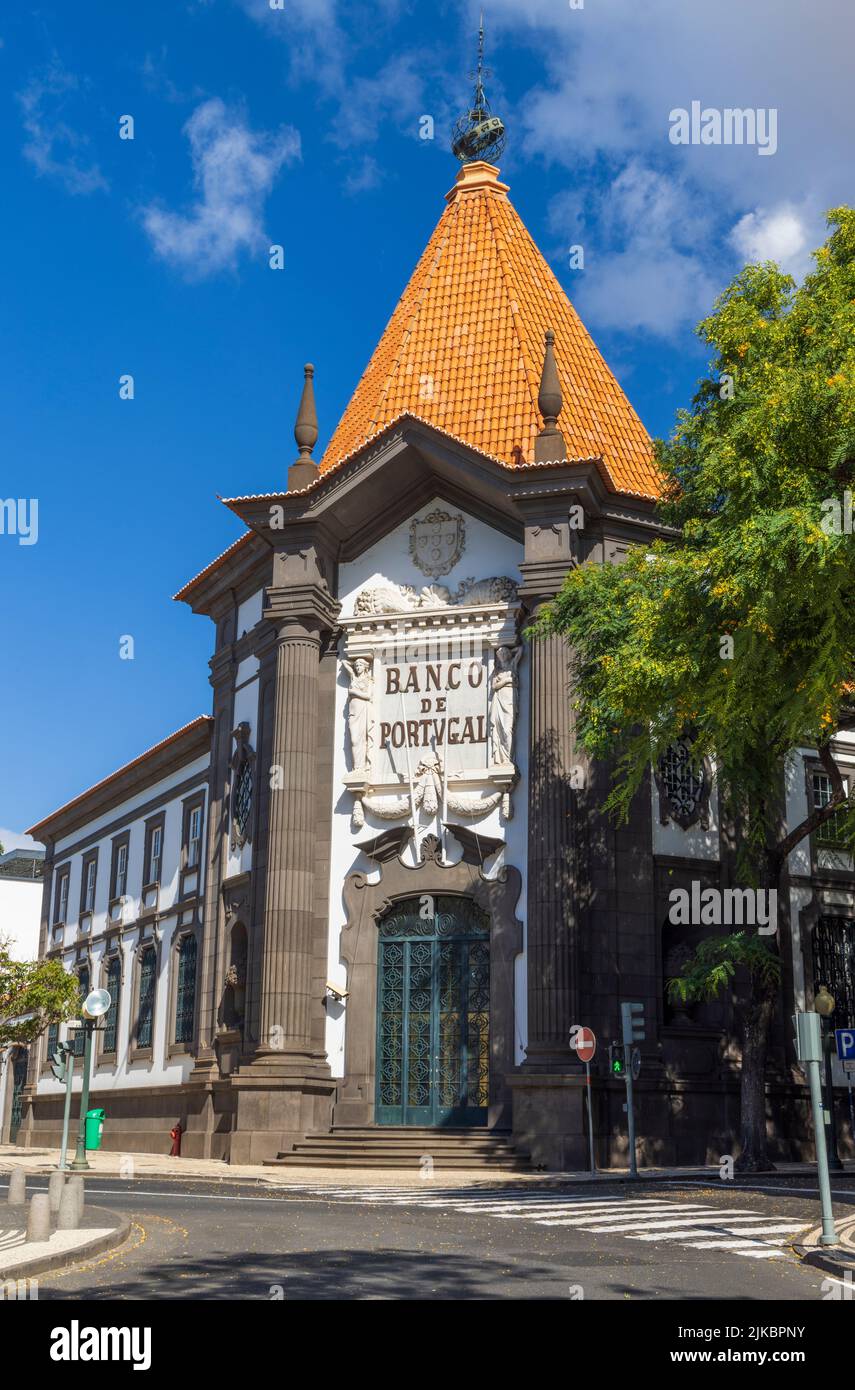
{"type": "Point", "coordinates": [59, 1061]}
{"type": "Point", "coordinates": [632, 1023]}
{"type": "Point", "coordinates": [617, 1065]}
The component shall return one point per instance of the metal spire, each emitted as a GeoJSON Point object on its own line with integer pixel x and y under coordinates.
{"type": "Point", "coordinates": [478, 134]}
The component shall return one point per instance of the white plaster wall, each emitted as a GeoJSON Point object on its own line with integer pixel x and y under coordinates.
{"type": "Point", "coordinates": [694, 843]}
{"type": "Point", "coordinates": [20, 915]}
{"type": "Point", "coordinates": [249, 613]}
{"type": "Point", "coordinates": [797, 805]}
{"type": "Point", "coordinates": [487, 553]}
{"type": "Point", "coordinates": [157, 1071]}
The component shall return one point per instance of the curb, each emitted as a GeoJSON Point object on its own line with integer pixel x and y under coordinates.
{"type": "Point", "coordinates": [833, 1259]}
{"type": "Point", "coordinates": [49, 1263]}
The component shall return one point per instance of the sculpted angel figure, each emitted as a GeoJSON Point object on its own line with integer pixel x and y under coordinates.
{"type": "Point", "coordinates": [503, 704]}
{"type": "Point", "coordinates": [360, 723]}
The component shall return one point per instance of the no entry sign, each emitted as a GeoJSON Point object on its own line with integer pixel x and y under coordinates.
{"type": "Point", "coordinates": [584, 1042]}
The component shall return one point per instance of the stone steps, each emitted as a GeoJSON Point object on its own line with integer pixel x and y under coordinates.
{"type": "Point", "coordinates": [385, 1146]}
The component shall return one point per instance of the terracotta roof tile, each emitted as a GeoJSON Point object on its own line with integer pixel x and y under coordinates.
{"type": "Point", "coordinates": [473, 319]}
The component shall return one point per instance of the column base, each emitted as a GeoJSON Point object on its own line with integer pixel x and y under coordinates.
{"type": "Point", "coordinates": [276, 1109]}
{"type": "Point", "coordinates": [549, 1120]}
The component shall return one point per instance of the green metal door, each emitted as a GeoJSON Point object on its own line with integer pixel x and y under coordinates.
{"type": "Point", "coordinates": [19, 1076]}
{"type": "Point", "coordinates": [433, 1014]}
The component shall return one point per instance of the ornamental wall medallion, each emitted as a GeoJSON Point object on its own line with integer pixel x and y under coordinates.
{"type": "Point", "coordinates": [683, 786]}
{"type": "Point", "coordinates": [437, 542]}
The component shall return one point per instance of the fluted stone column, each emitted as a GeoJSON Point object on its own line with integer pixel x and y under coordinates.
{"type": "Point", "coordinates": [289, 906]}
{"type": "Point", "coordinates": [286, 1091]}
{"type": "Point", "coordinates": [552, 907]}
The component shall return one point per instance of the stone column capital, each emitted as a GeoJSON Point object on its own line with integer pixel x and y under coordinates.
{"type": "Point", "coordinates": [302, 612]}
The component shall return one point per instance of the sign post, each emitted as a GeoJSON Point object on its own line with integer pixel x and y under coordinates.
{"type": "Point", "coordinates": [632, 1026]}
{"type": "Point", "coordinates": [809, 1051]}
{"type": "Point", "coordinates": [845, 1040]}
{"type": "Point", "coordinates": [62, 1066]}
{"type": "Point", "coordinates": [584, 1042]}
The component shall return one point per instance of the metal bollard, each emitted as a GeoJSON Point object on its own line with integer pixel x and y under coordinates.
{"type": "Point", "coordinates": [38, 1217]}
{"type": "Point", "coordinates": [17, 1188]}
{"type": "Point", "coordinates": [56, 1182]}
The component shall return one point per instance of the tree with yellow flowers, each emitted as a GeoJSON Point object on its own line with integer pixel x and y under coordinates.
{"type": "Point", "coordinates": [740, 629]}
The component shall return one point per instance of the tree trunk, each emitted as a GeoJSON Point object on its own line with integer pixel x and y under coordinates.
{"type": "Point", "coordinates": [757, 1022]}
{"type": "Point", "coordinates": [754, 1157]}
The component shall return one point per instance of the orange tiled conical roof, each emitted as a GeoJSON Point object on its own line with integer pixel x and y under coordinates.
{"type": "Point", "coordinates": [464, 349]}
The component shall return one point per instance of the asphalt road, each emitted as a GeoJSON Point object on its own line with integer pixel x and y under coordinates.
{"type": "Point", "coordinates": [237, 1241]}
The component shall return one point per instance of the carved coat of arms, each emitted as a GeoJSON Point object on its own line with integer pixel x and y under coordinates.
{"type": "Point", "coordinates": [437, 542]}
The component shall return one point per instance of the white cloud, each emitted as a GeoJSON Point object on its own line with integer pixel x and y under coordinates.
{"type": "Point", "coordinates": [54, 148]}
{"type": "Point", "coordinates": [16, 839]}
{"type": "Point", "coordinates": [775, 234]}
{"type": "Point", "coordinates": [234, 169]}
{"type": "Point", "coordinates": [646, 253]}
{"type": "Point", "coordinates": [364, 176]}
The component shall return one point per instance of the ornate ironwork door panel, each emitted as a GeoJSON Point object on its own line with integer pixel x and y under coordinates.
{"type": "Point", "coordinates": [19, 1076]}
{"type": "Point", "coordinates": [433, 1028]}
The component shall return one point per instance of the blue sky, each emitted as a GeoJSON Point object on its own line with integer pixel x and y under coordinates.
{"type": "Point", "coordinates": [301, 126]}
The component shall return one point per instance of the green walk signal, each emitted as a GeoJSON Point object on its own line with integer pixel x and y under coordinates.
{"type": "Point", "coordinates": [617, 1065]}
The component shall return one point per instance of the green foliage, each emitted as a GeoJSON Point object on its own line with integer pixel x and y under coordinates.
{"type": "Point", "coordinates": [711, 968]}
{"type": "Point", "coordinates": [33, 994]}
{"type": "Point", "coordinates": [750, 482]}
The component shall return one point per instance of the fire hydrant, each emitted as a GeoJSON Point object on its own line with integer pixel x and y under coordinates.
{"type": "Point", "coordinates": [175, 1136]}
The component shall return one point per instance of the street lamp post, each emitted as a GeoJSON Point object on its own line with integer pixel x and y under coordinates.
{"type": "Point", "coordinates": [95, 1004]}
{"type": "Point", "coordinates": [824, 1005]}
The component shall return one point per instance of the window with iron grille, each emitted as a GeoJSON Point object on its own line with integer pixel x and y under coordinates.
{"type": "Point", "coordinates": [242, 802]}
{"type": "Point", "coordinates": [80, 1035]}
{"type": "Point", "coordinates": [833, 944]}
{"type": "Point", "coordinates": [683, 786]}
{"type": "Point", "coordinates": [52, 1040]}
{"type": "Point", "coordinates": [111, 1019]}
{"type": "Point", "coordinates": [185, 1006]}
{"type": "Point", "coordinates": [145, 1012]}
{"type": "Point", "coordinates": [831, 834]}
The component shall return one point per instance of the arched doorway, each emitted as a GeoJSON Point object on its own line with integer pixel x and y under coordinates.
{"type": "Point", "coordinates": [433, 1012]}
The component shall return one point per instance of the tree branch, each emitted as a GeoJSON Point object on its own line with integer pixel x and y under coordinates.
{"type": "Point", "coordinates": [821, 814]}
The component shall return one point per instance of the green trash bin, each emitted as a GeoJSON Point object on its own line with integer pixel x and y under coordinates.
{"type": "Point", "coordinates": [94, 1126]}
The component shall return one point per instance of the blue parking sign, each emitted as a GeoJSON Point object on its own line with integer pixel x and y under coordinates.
{"type": "Point", "coordinates": [845, 1039]}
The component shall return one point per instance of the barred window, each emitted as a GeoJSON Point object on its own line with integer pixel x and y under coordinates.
{"type": "Point", "coordinates": [145, 1012]}
{"type": "Point", "coordinates": [114, 987]}
{"type": "Point", "coordinates": [683, 786]}
{"type": "Point", "coordinates": [833, 945]}
{"type": "Point", "coordinates": [242, 804]}
{"type": "Point", "coordinates": [80, 1035]}
{"type": "Point", "coordinates": [185, 1007]}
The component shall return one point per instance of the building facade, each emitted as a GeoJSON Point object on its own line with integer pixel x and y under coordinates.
{"type": "Point", "coordinates": [376, 887]}
{"type": "Point", "coordinates": [21, 872]}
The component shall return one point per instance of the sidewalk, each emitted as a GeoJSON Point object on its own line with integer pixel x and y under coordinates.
{"type": "Point", "coordinates": [99, 1230]}
{"type": "Point", "coordinates": [834, 1259]}
{"type": "Point", "coordinates": [135, 1166]}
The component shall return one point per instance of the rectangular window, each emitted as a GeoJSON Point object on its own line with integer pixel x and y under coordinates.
{"type": "Point", "coordinates": [90, 872]}
{"type": "Point", "coordinates": [121, 871]}
{"type": "Point", "coordinates": [111, 1018]}
{"type": "Point", "coordinates": [60, 910]}
{"type": "Point", "coordinates": [52, 1042]}
{"type": "Point", "coordinates": [80, 1034]}
{"type": "Point", "coordinates": [185, 1004]}
{"type": "Point", "coordinates": [194, 837]}
{"type": "Point", "coordinates": [145, 1010]}
{"type": "Point", "coordinates": [831, 834]}
{"type": "Point", "coordinates": [156, 854]}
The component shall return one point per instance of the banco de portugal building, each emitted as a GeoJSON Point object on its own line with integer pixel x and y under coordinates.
{"type": "Point", "coordinates": [373, 890]}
